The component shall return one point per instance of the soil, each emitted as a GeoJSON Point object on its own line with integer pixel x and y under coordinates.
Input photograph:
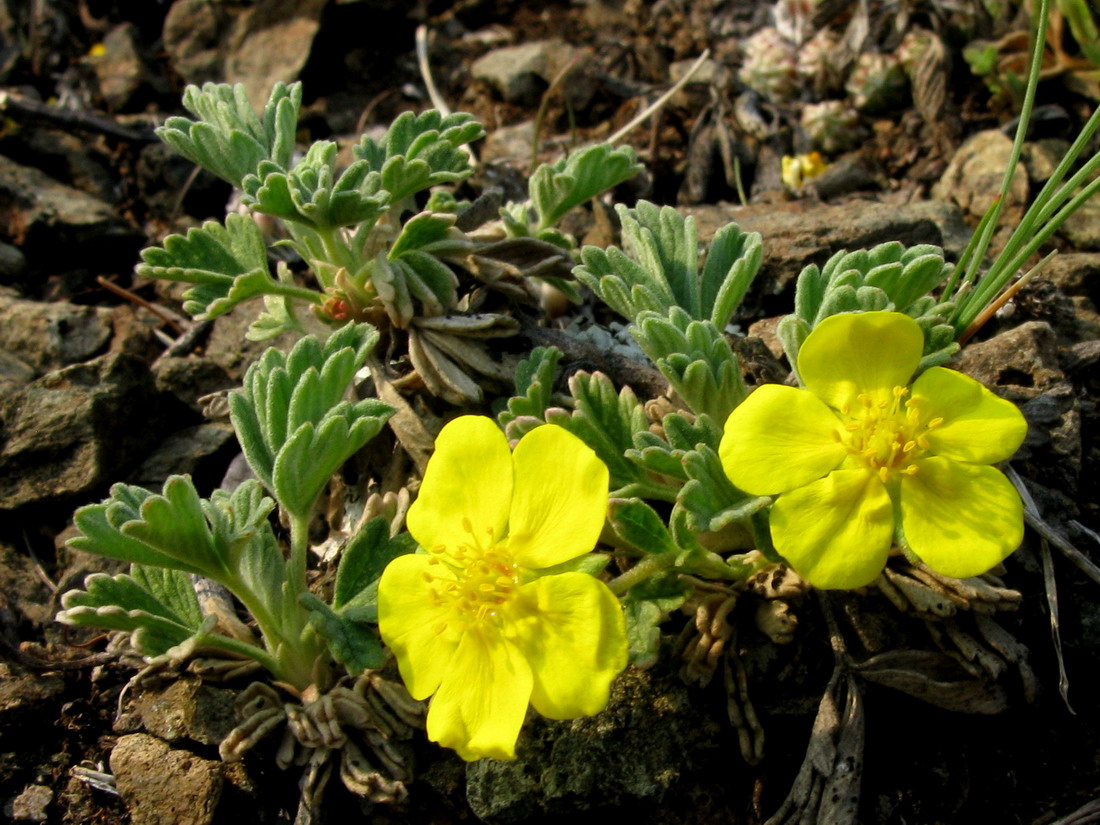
{"type": "Point", "coordinates": [100, 383]}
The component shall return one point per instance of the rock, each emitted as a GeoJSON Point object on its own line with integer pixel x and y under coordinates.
{"type": "Point", "coordinates": [47, 337]}
{"type": "Point", "coordinates": [1082, 228]}
{"type": "Point", "coordinates": [1022, 364]}
{"type": "Point", "coordinates": [651, 738]}
{"type": "Point", "coordinates": [121, 69]}
{"type": "Point", "coordinates": [188, 709]}
{"type": "Point", "coordinates": [229, 349]}
{"type": "Point", "coordinates": [22, 697]}
{"type": "Point", "coordinates": [78, 429]}
{"type": "Point", "coordinates": [162, 786]}
{"type": "Point", "coordinates": [973, 177]}
{"type": "Point", "coordinates": [509, 143]}
{"type": "Point", "coordinates": [191, 377]}
{"type": "Point", "coordinates": [798, 233]}
{"type": "Point", "coordinates": [1075, 273]}
{"type": "Point", "coordinates": [522, 73]}
{"type": "Point", "coordinates": [56, 225]}
{"type": "Point", "coordinates": [193, 35]}
{"type": "Point", "coordinates": [14, 373]}
{"type": "Point", "coordinates": [12, 263]}
{"type": "Point", "coordinates": [193, 451]}
{"type": "Point", "coordinates": [25, 594]}
{"type": "Point", "coordinates": [31, 804]}
{"type": "Point", "coordinates": [1024, 359]}
{"type": "Point", "coordinates": [270, 42]}
{"type": "Point", "coordinates": [257, 45]}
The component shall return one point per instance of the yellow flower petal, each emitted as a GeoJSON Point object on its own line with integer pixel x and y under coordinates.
{"type": "Point", "coordinates": [410, 624]}
{"type": "Point", "coordinates": [479, 708]}
{"type": "Point", "coordinates": [571, 629]}
{"type": "Point", "coordinates": [860, 353]}
{"type": "Point", "coordinates": [836, 532]}
{"type": "Point", "coordinates": [779, 438]}
{"type": "Point", "coordinates": [961, 519]}
{"type": "Point", "coordinates": [977, 425]}
{"type": "Point", "coordinates": [467, 486]}
{"type": "Point", "coordinates": [560, 498]}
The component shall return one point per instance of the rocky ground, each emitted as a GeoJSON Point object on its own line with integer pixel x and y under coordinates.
{"type": "Point", "coordinates": [101, 378]}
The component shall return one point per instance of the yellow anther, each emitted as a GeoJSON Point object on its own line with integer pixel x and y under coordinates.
{"type": "Point", "coordinates": [935, 422]}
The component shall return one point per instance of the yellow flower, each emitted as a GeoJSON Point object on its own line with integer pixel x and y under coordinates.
{"type": "Point", "coordinates": [473, 621]}
{"type": "Point", "coordinates": [856, 454]}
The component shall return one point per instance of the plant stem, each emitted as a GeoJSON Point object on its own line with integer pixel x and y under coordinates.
{"type": "Point", "coordinates": [649, 566]}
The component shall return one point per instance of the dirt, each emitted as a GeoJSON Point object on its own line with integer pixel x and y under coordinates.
{"type": "Point", "coordinates": [85, 186]}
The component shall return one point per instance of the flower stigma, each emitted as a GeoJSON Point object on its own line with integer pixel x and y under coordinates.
{"type": "Point", "coordinates": [470, 581]}
{"type": "Point", "coordinates": [887, 436]}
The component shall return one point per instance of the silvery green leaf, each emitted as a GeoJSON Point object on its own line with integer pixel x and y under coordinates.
{"type": "Point", "coordinates": [709, 499]}
{"type": "Point", "coordinates": [227, 265]}
{"type": "Point", "coordinates": [421, 151]}
{"type": "Point", "coordinates": [621, 283]}
{"type": "Point", "coordinates": [413, 270]}
{"type": "Point", "coordinates": [354, 643]}
{"type": "Point", "coordinates": [638, 524]}
{"type": "Point", "coordinates": [173, 589]}
{"type": "Point", "coordinates": [653, 453]}
{"type": "Point", "coordinates": [732, 262]}
{"type": "Point", "coordinates": [123, 603]}
{"type": "Point", "coordinates": [646, 605]}
{"type": "Point", "coordinates": [557, 188]}
{"type": "Point", "coordinates": [312, 194]}
{"type": "Point", "coordinates": [228, 139]}
{"type": "Point", "coordinates": [362, 561]}
{"type": "Point", "coordinates": [665, 244]}
{"type": "Point", "coordinates": [534, 383]}
{"type": "Point", "coordinates": [696, 359]}
{"type": "Point", "coordinates": [290, 417]}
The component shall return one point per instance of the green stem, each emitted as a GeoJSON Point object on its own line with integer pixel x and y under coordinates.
{"type": "Point", "coordinates": [647, 489]}
{"type": "Point", "coordinates": [299, 546]}
{"type": "Point", "coordinates": [649, 566]}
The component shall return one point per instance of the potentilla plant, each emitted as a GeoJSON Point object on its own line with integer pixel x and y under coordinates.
{"type": "Point", "coordinates": [545, 548]}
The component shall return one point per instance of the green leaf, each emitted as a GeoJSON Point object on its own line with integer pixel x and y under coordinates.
{"type": "Point", "coordinates": [124, 603]}
{"type": "Point", "coordinates": [294, 428]}
{"type": "Point", "coordinates": [364, 558]}
{"type": "Point", "coordinates": [638, 524]}
{"type": "Point", "coordinates": [733, 260]}
{"type": "Point", "coordinates": [696, 359]}
{"type": "Point", "coordinates": [353, 643]}
{"type": "Point", "coordinates": [534, 384]}
{"type": "Point", "coordinates": [313, 195]}
{"type": "Point", "coordinates": [557, 188]}
{"type": "Point", "coordinates": [227, 264]}
{"type": "Point", "coordinates": [227, 138]}
{"type": "Point", "coordinates": [173, 589]}
{"type": "Point", "coordinates": [708, 498]}
{"type": "Point", "coordinates": [421, 151]}
{"type": "Point", "coordinates": [646, 605]}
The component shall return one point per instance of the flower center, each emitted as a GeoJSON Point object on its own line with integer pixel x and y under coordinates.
{"type": "Point", "coordinates": [471, 579]}
{"type": "Point", "coordinates": [887, 436]}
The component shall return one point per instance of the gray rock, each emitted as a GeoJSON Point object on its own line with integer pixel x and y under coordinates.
{"type": "Point", "coordinates": [121, 69]}
{"type": "Point", "coordinates": [522, 73]}
{"type": "Point", "coordinates": [509, 143]}
{"type": "Point", "coordinates": [47, 337]}
{"type": "Point", "coordinates": [799, 233]}
{"type": "Point", "coordinates": [188, 709]}
{"type": "Point", "coordinates": [161, 786]}
{"type": "Point", "coordinates": [14, 373]}
{"type": "Point", "coordinates": [31, 804]}
{"type": "Point", "coordinates": [1075, 273]}
{"type": "Point", "coordinates": [187, 452]}
{"type": "Point", "coordinates": [270, 42]}
{"type": "Point", "coordinates": [193, 35]}
{"type": "Point", "coordinates": [191, 377]}
{"type": "Point", "coordinates": [650, 738]}
{"type": "Point", "coordinates": [1082, 228]}
{"type": "Point", "coordinates": [12, 263]}
{"type": "Point", "coordinates": [77, 429]}
{"type": "Point", "coordinates": [973, 177]}
{"type": "Point", "coordinates": [55, 224]}
{"type": "Point", "coordinates": [1023, 360]}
